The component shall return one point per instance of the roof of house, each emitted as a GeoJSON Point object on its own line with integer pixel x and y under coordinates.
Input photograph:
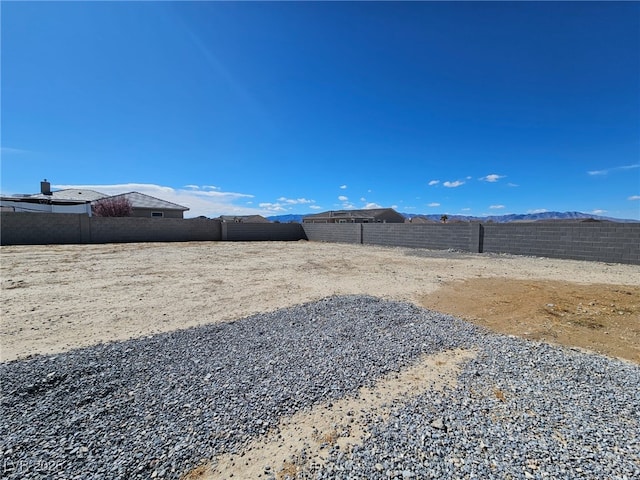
{"type": "Point", "coordinates": [367, 213]}
{"type": "Point", "coordinates": [419, 220]}
{"type": "Point", "coordinates": [45, 199]}
{"type": "Point", "coordinates": [71, 194]}
{"type": "Point", "coordinates": [244, 218]}
{"type": "Point", "coordinates": [141, 200]}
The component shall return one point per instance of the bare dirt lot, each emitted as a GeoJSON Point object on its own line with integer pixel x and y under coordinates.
{"type": "Point", "coordinates": [599, 317]}
{"type": "Point", "coordinates": [55, 298]}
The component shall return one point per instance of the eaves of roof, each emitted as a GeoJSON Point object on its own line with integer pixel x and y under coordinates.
{"type": "Point", "coordinates": [141, 200]}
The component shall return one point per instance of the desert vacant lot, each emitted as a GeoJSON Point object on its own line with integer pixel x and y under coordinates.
{"type": "Point", "coordinates": [56, 298]}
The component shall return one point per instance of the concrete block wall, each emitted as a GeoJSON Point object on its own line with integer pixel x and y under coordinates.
{"type": "Point", "coordinates": [602, 242]}
{"type": "Point", "coordinates": [434, 236]}
{"type": "Point", "coordinates": [131, 229]}
{"type": "Point", "coordinates": [256, 232]}
{"type": "Point", "coordinates": [203, 229]}
{"type": "Point", "coordinates": [25, 228]}
{"type": "Point", "coordinates": [46, 228]}
{"type": "Point", "coordinates": [333, 232]}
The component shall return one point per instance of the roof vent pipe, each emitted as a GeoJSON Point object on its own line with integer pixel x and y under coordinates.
{"type": "Point", "coordinates": [45, 187]}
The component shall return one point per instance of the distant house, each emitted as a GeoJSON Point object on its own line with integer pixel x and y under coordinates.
{"type": "Point", "coordinates": [44, 205]}
{"type": "Point", "coordinates": [419, 220]}
{"type": "Point", "coordinates": [243, 219]}
{"type": "Point", "coordinates": [373, 215]}
{"type": "Point", "coordinates": [147, 206]}
{"type": "Point", "coordinates": [74, 194]}
{"type": "Point", "coordinates": [62, 201]}
{"type": "Point", "coordinates": [75, 200]}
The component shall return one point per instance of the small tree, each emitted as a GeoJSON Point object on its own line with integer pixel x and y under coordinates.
{"type": "Point", "coordinates": [112, 207]}
{"type": "Point", "coordinates": [444, 218]}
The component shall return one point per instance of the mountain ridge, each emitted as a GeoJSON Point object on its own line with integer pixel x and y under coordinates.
{"type": "Point", "coordinates": [508, 218]}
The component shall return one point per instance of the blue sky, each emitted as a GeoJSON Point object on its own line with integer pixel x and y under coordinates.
{"type": "Point", "coordinates": [236, 108]}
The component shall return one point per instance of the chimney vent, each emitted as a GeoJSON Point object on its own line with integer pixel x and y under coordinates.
{"type": "Point", "coordinates": [45, 187]}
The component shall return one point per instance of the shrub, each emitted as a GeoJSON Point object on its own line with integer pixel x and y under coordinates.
{"type": "Point", "coordinates": [112, 207]}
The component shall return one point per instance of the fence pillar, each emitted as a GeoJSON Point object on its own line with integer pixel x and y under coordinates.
{"type": "Point", "coordinates": [477, 238]}
{"type": "Point", "coordinates": [85, 229]}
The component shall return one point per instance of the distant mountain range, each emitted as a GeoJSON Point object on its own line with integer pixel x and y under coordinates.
{"type": "Point", "coordinates": [286, 218]}
{"type": "Point", "coordinates": [525, 217]}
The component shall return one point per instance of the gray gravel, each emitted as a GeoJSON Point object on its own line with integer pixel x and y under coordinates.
{"type": "Point", "coordinates": [155, 407]}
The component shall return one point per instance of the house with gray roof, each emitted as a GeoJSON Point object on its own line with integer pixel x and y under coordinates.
{"type": "Point", "coordinates": [77, 200]}
{"type": "Point", "coordinates": [70, 194]}
{"type": "Point", "coordinates": [372, 215]}
{"type": "Point", "coordinates": [61, 201]}
{"type": "Point", "coordinates": [147, 206]}
{"type": "Point", "coordinates": [243, 219]}
{"type": "Point", "coordinates": [29, 204]}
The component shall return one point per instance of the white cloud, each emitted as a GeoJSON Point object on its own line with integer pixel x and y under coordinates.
{"type": "Point", "coordinates": [491, 178]}
{"type": "Point", "coordinates": [466, 209]}
{"type": "Point", "coordinates": [315, 207]}
{"type": "Point", "coordinates": [598, 211]}
{"type": "Point", "coordinates": [200, 200]}
{"type": "Point", "coordinates": [362, 199]}
{"type": "Point", "coordinates": [538, 210]}
{"type": "Point", "coordinates": [369, 206]}
{"type": "Point", "coordinates": [295, 201]}
{"type": "Point", "coordinates": [496, 207]}
{"type": "Point", "coordinates": [284, 204]}
{"type": "Point", "coordinates": [606, 171]}
{"type": "Point", "coordinates": [468, 178]}
{"type": "Point", "coordinates": [203, 187]}
{"type": "Point", "coordinates": [434, 182]}
{"type": "Point", "coordinates": [513, 185]}
{"type": "Point", "coordinates": [434, 204]}
{"type": "Point", "coordinates": [634, 197]}
{"type": "Point", "coordinates": [342, 198]}
{"type": "Point", "coordinates": [272, 207]}
{"type": "Point", "coordinates": [455, 184]}
{"type": "Point", "coordinates": [343, 187]}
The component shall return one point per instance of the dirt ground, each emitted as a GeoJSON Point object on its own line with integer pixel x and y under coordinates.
{"type": "Point", "coordinates": [601, 318]}
{"type": "Point", "coordinates": [59, 297]}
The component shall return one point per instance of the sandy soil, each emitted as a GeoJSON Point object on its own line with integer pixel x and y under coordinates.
{"type": "Point", "coordinates": [55, 298]}
{"type": "Point", "coordinates": [598, 317]}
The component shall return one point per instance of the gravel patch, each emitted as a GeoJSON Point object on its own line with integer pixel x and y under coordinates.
{"type": "Point", "coordinates": [520, 410]}
{"type": "Point", "coordinates": [156, 407]}
{"type": "Point", "coordinates": [450, 253]}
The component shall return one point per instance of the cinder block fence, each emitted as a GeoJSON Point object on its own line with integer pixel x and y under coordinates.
{"type": "Point", "coordinates": [604, 242]}
{"type": "Point", "coordinates": [20, 228]}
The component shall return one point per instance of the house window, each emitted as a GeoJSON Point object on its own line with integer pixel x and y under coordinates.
{"type": "Point", "coordinates": [157, 214]}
